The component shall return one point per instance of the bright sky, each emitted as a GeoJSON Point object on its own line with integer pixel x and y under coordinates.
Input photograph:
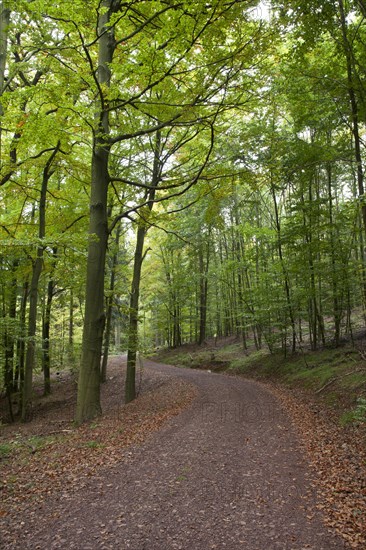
{"type": "Point", "coordinates": [262, 11]}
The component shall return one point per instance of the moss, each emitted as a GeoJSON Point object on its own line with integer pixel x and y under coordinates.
{"type": "Point", "coordinates": [357, 414]}
{"type": "Point", "coordinates": [5, 450]}
{"type": "Point", "coordinates": [39, 442]}
{"type": "Point", "coordinates": [326, 369]}
{"type": "Point", "coordinates": [316, 376]}
{"type": "Point", "coordinates": [254, 361]}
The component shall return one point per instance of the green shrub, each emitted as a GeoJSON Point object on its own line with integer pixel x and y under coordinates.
{"type": "Point", "coordinates": [359, 413]}
{"type": "Point", "coordinates": [5, 450]}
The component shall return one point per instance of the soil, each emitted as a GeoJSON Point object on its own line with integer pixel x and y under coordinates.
{"type": "Point", "coordinates": [200, 460]}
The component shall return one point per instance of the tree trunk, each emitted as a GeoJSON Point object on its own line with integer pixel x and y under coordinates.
{"type": "Point", "coordinates": [4, 23]}
{"type": "Point", "coordinates": [239, 256]}
{"type": "Point", "coordinates": [107, 335]}
{"type": "Point", "coordinates": [70, 351]}
{"type": "Point", "coordinates": [130, 384]}
{"type": "Point", "coordinates": [19, 368]}
{"type": "Point", "coordinates": [203, 289]}
{"type": "Point", "coordinates": [354, 110]}
{"type": "Point", "coordinates": [46, 359]}
{"type": "Point", "coordinates": [284, 271]}
{"type": "Point", "coordinates": [117, 334]}
{"type": "Point", "coordinates": [177, 334]}
{"type": "Point", "coordinates": [355, 116]}
{"type": "Point", "coordinates": [88, 398]}
{"type": "Point", "coordinates": [337, 313]}
{"type": "Point", "coordinates": [9, 339]}
{"type": "Point", "coordinates": [33, 295]}
{"type": "Point", "coordinates": [362, 6]}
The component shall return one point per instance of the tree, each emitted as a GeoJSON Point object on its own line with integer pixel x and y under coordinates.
{"type": "Point", "coordinates": [33, 290]}
{"type": "Point", "coordinates": [187, 53]}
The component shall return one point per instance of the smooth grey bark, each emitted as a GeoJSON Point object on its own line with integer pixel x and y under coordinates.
{"type": "Point", "coordinates": [337, 308]}
{"type": "Point", "coordinates": [286, 281]}
{"type": "Point", "coordinates": [130, 384]}
{"type": "Point", "coordinates": [46, 359]}
{"type": "Point", "coordinates": [173, 325]}
{"type": "Point", "coordinates": [20, 356]}
{"type": "Point", "coordinates": [46, 326]}
{"type": "Point", "coordinates": [9, 309]}
{"type": "Point", "coordinates": [88, 397]}
{"type": "Point", "coordinates": [110, 300]}
{"type": "Point", "coordinates": [347, 46]}
{"type": "Point", "coordinates": [9, 339]}
{"type": "Point", "coordinates": [4, 24]}
{"type": "Point", "coordinates": [203, 262]}
{"type": "Point", "coordinates": [354, 109]}
{"type": "Point", "coordinates": [33, 294]}
{"type": "Point", "coordinates": [239, 256]}
{"type": "Point", "coordinates": [88, 400]}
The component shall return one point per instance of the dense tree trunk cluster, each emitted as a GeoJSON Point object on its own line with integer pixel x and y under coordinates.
{"type": "Point", "coordinates": [171, 172]}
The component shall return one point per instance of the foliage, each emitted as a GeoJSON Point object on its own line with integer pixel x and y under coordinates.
{"type": "Point", "coordinates": [255, 227]}
{"type": "Point", "coordinates": [359, 412]}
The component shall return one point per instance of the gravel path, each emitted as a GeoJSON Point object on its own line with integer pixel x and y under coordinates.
{"type": "Point", "coordinates": [225, 474]}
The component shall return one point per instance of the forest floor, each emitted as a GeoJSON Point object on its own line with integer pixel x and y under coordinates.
{"type": "Point", "coordinates": [197, 461]}
{"type": "Point", "coordinates": [319, 390]}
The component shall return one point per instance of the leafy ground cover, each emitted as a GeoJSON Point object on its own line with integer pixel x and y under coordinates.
{"type": "Point", "coordinates": [324, 394]}
{"type": "Point", "coordinates": [51, 456]}
{"type": "Point", "coordinates": [333, 377]}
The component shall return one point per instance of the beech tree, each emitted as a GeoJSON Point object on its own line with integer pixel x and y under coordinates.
{"type": "Point", "coordinates": [184, 45]}
{"type": "Point", "coordinates": [35, 147]}
{"type": "Point", "coordinates": [230, 145]}
{"type": "Point", "coordinates": [298, 228]}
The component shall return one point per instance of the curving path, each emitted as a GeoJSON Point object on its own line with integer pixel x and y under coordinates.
{"type": "Point", "coordinates": [225, 474]}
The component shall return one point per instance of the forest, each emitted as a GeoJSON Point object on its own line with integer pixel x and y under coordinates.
{"type": "Point", "coordinates": [173, 171]}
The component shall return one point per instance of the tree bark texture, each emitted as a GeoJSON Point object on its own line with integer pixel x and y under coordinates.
{"type": "Point", "coordinates": [107, 336]}
{"type": "Point", "coordinates": [130, 385]}
{"type": "Point", "coordinates": [88, 398]}
{"type": "Point", "coordinates": [30, 356]}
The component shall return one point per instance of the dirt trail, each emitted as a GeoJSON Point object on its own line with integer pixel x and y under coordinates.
{"type": "Point", "coordinates": [227, 473]}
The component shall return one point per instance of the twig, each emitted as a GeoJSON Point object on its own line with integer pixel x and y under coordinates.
{"type": "Point", "coordinates": [330, 382]}
{"type": "Point", "coordinates": [327, 384]}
